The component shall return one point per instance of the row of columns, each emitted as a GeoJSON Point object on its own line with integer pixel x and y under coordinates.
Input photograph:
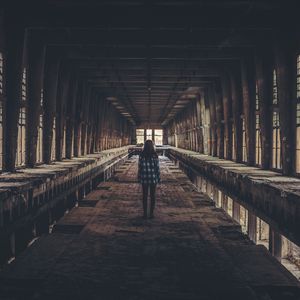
{"type": "Point", "coordinates": [230, 100]}
{"type": "Point", "coordinates": [82, 116]}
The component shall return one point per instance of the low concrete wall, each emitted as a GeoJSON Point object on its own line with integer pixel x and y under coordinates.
{"type": "Point", "coordinates": [33, 199]}
{"type": "Point", "coordinates": [273, 197]}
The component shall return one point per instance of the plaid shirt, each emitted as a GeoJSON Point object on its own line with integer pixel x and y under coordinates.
{"type": "Point", "coordinates": [148, 172]}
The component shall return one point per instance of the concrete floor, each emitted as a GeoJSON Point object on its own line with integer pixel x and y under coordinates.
{"type": "Point", "coordinates": [103, 249]}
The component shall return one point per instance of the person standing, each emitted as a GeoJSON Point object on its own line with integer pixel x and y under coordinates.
{"type": "Point", "coordinates": [148, 175]}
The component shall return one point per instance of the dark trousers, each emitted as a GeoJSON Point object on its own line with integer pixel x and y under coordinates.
{"type": "Point", "coordinates": [146, 188]}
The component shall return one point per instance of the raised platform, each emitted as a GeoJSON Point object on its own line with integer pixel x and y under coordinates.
{"type": "Point", "coordinates": [33, 199]}
{"type": "Point", "coordinates": [273, 197]}
{"type": "Point", "coordinates": [103, 249]}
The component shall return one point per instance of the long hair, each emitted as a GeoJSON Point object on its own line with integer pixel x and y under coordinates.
{"type": "Point", "coordinates": [148, 149]}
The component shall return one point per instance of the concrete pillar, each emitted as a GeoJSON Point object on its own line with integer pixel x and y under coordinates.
{"type": "Point", "coordinates": [236, 94]}
{"type": "Point", "coordinates": [275, 244]}
{"type": "Point", "coordinates": [286, 58]}
{"type": "Point", "coordinates": [213, 121]}
{"type": "Point", "coordinates": [236, 211]}
{"type": "Point", "coordinates": [62, 90]}
{"type": "Point", "coordinates": [14, 42]}
{"type": "Point", "coordinates": [165, 136]}
{"type": "Point", "coordinates": [264, 85]}
{"type": "Point", "coordinates": [50, 93]}
{"type": "Point", "coordinates": [83, 138]}
{"type": "Point", "coordinates": [227, 111]}
{"type": "Point", "coordinates": [199, 125]}
{"type": "Point", "coordinates": [78, 121]}
{"type": "Point", "coordinates": [248, 86]}
{"type": "Point", "coordinates": [36, 59]}
{"type": "Point", "coordinates": [252, 226]}
{"type": "Point", "coordinates": [220, 121]}
{"type": "Point", "coordinates": [70, 114]}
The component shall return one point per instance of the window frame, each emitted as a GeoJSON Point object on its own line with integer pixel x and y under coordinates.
{"type": "Point", "coordinates": [275, 127]}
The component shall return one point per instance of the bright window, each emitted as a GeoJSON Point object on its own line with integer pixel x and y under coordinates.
{"type": "Point", "coordinates": [244, 219]}
{"type": "Point", "coordinates": [158, 136]}
{"type": "Point", "coordinates": [21, 146]}
{"type": "Point", "coordinates": [298, 118]}
{"type": "Point", "coordinates": [39, 150]}
{"type": "Point", "coordinates": [244, 148]}
{"type": "Point", "coordinates": [148, 134]}
{"type": "Point", "coordinates": [257, 131]}
{"type": "Point", "coordinates": [262, 233]}
{"type": "Point", "coordinates": [276, 140]}
{"type": "Point", "coordinates": [233, 142]}
{"type": "Point", "coordinates": [140, 136]}
{"type": "Point", "coordinates": [63, 152]}
{"type": "Point", "coordinates": [53, 148]}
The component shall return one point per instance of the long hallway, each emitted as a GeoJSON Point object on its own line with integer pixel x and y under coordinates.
{"type": "Point", "coordinates": [103, 249]}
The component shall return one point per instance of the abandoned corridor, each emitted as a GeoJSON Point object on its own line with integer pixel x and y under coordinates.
{"type": "Point", "coordinates": [214, 83]}
{"type": "Point", "coordinates": [104, 249]}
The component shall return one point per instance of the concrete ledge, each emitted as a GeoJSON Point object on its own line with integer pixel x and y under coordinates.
{"type": "Point", "coordinates": [32, 199]}
{"type": "Point", "coordinates": [273, 197]}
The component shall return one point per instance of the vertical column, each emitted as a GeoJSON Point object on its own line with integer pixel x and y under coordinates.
{"type": "Point", "coordinates": [62, 90]}
{"type": "Point", "coordinates": [236, 93]}
{"type": "Point", "coordinates": [199, 125]}
{"type": "Point", "coordinates": [78, 121]}
{"type": "Point", "coordinates": [70, 114]}
{"type": "Point", "coordinates": [220, 121]}
{"type": "Point", "coordinates": [236, 211]}
{"type": "Point", "coordinates": [50, 94]}
{"type": "Point", "coordinates": [84, 128]}
{"type": "Point", "coordinates": [213, 121]}
{"type": "Point", "coordinates": [165, 136]}
{"type": "Point", "coordinates": [14, 41]}
{"type": "Point", "coordinates": [264, 86]}
{"type": "Point", "coordinates": [248, 86]}
{"type": "Point", "coordinates": [275, 244]}
{"type": "Point", "coordinates": [227, 115]}
{"type": "Point", "coordinates": [286, 59]}
{"type": "Point", "coordinates": [36, 59]}
{"type": "Point", "coordinates": [252, 226]}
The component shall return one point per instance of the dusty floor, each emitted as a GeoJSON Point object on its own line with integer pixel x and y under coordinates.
{"type": "Point", "coordinates": [103, 249]}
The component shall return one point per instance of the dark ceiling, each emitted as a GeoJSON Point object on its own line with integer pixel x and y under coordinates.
{"type": "Point", "coordinates": [150, 58]}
